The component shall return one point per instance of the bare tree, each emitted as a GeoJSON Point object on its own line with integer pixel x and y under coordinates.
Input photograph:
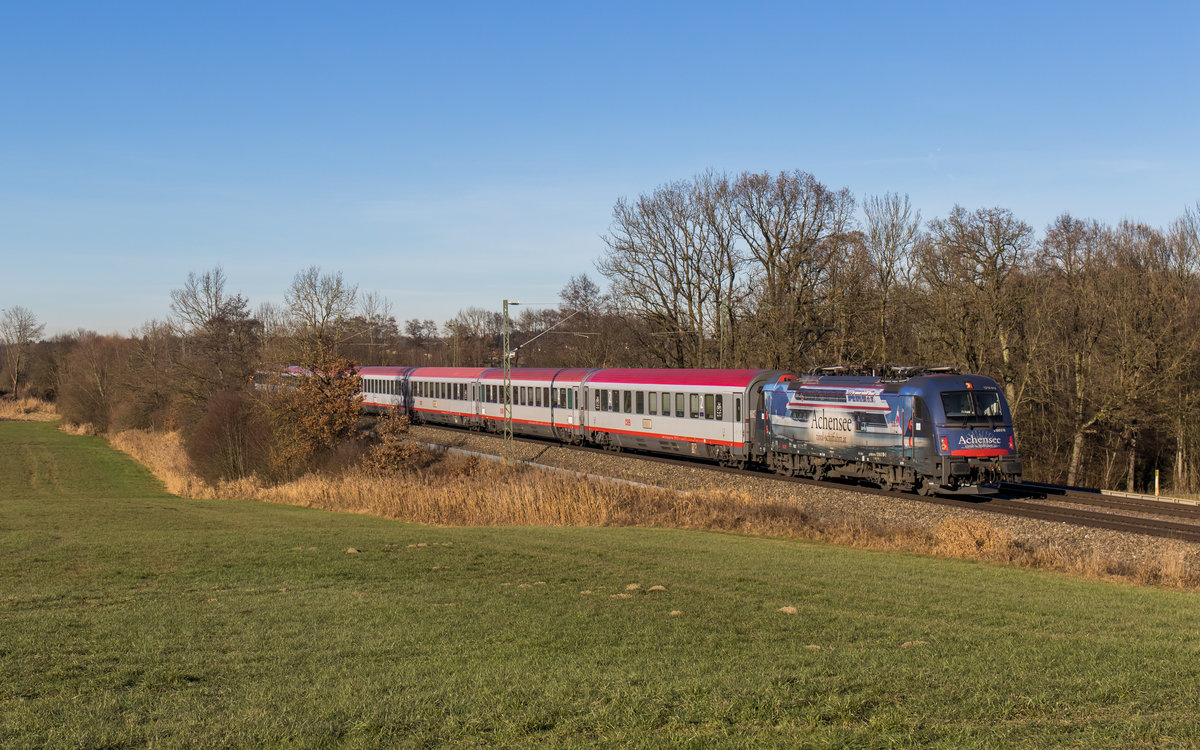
{"type": "Point", "coordinates": [1074, 260]}
{"type": "Point", "coordinates": [318, 307]}
{"type": "Point", "coordinates": [794, 228]}
{"type": "Point", "coordinates": [220, 339]}
{"type": "Point", "coordinates": [971, 265]}
{"type": "Point", "coordinates": [19, 329]}
{"type": "Point", "coordinates": [474, 336]}
{"type": "Point", "coordinates": [893, 231]}
{"type": "Point", "coordinates": [662, 253]}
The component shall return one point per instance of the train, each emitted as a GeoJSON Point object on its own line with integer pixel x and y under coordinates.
{"type": "Point", "coordinates": [923, 430]}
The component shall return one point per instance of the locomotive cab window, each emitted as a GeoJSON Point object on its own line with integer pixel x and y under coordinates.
{"type": "Point", "coordinates": [972, 406]}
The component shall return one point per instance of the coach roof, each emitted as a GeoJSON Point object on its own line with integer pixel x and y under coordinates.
{"type": "Point", "coordinates": [539, 374]}
{"type": "Point", "coordinates": [682, 378]}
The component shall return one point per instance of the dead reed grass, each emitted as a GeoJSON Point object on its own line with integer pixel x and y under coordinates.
{"type": "Point", "coordinates": [456, 490]}
{"type": "Point", "coordinates": [27, 410]}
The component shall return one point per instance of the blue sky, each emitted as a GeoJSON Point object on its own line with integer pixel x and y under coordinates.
{"type": "Point", "coordinates": [454, 154]}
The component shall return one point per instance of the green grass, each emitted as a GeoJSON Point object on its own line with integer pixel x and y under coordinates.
{"type": "Point", "coordinates": [129, 617]}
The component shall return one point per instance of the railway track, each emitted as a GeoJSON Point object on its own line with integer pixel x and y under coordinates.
{"type": "Point", "coordinates": [1069, 505]}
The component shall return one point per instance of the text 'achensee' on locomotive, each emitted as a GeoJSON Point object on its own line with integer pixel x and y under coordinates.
{"type": "Point", "coordinates": [928, 431]}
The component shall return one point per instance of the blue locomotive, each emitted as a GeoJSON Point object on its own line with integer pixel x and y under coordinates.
{"type": "Point", "coordinates": [929, 431]}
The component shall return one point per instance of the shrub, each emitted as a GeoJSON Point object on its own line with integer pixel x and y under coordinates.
{"type": "Point", "coordinates": [230, 441]}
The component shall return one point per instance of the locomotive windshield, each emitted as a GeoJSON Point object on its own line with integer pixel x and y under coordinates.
{"type": "Point", "coordinates": [972, 406]}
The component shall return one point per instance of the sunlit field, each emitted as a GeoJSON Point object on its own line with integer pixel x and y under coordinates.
{"type": "Point", "coordinates": [129, 616]}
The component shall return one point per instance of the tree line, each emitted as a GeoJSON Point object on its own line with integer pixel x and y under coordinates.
{"type": "Point", "coordinates": [1092, 329]}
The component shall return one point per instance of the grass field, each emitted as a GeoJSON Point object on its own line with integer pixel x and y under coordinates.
{"type": "Point", "coordinates": [129, 617]}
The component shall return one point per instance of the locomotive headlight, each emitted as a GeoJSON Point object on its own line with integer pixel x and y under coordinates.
{"type": "Point", "coordinates": [1012, 443]}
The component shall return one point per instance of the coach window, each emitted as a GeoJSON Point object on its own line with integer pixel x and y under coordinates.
{"type": "Point", "coordinates": [709, 409]}
{"type": "Point", "coordinates": [537, 396]}
{"type": "Point", "coordinates": [628, 402]}
{"type": "Point", "coordinates": [616, 400]}
{"type": "Point", "coordinates": [641, 402]}
{"type": "Point", "coordinates": [719, 411]}
{"type": "Point", "coordinates": [653, 402]}
{"type": "Point", "coordinates": [680, 404]}
{"type": "Point", "coordinates": [666, 405]}
{"type": "Point", "coordinates": [597, 406]}
{"type": "Point", "coordinates": [737, 409]}
{"type": "Point", "coordinates": [602, 399]}
{"type": "Point", "coordinates": [695, 404]}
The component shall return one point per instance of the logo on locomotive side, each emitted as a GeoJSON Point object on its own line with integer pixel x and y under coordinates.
{"type": "Point", "coordinates": [834, 424]}
{"type": "Point", "coordinates": [980, 440]}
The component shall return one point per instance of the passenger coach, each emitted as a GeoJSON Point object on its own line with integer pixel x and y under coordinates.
{"type": "Point", "coordinates": [926, 431]}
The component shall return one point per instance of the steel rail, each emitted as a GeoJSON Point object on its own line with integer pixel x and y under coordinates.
{"type": "Point", "coordinates": [998, 504]}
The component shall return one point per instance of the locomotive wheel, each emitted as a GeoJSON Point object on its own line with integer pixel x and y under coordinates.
{"type": "Point", "coordinates": [923, 488]}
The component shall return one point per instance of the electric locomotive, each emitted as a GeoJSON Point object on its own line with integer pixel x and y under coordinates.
{"type": "Point", "coordinates": [928, 430]}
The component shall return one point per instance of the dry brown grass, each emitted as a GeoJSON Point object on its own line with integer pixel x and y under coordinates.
{"type": "Point", "coordinates": [27, 410]}
{"type": "Point", "coordinates": [453, 490]}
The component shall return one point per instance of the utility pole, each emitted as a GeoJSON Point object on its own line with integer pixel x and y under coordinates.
{"type": "Point", "coordinates": [506, 354]}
